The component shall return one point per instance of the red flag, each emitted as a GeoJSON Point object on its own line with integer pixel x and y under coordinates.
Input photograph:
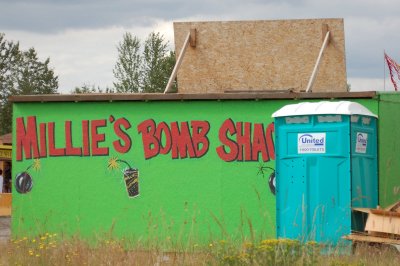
{"type": "Point", "coordinates": [394, 70]}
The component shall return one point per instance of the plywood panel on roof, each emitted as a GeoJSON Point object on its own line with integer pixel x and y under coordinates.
{"type": "Point", "coordinates": [261, 55]}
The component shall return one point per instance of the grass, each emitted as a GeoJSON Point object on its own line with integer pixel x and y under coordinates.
{"type": "Point", "coordinates": [51, 249]}
{"type": "Point", "coordinates": [160, 244]}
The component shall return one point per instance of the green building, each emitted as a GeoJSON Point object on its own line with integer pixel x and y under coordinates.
{"type": "Point", "coordinates": [181, 167]}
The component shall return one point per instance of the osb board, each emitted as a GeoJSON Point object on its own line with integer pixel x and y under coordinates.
{"type": "Point", "coordinates": [261, 55]}
{"type": "Point", "coordinates": [369, 238]}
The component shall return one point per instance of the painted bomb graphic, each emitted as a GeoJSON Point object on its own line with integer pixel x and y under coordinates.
{"type": "Point", "coordinates": [272, 182]}
{"type": "Point", "coordinates": [271, 178]}
{"type": "Point", "coordinates": [130, 176]}
{"type": "Point", "coordinates": [24, 181]}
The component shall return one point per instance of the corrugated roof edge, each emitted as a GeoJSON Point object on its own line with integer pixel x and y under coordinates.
{"type": "Point", "coordinates": [186, 96]}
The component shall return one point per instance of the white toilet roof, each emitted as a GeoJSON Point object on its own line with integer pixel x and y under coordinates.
{"type": "Point", "coordinates": [324, 107]}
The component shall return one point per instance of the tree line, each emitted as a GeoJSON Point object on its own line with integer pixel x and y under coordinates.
{"type": "Point", "coordinates": [138, 69]}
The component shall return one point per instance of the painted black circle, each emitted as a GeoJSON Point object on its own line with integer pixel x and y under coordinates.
{"type": "Point", "coordinates": [23, 183]}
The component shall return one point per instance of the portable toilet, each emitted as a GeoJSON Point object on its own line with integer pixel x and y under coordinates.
{"type": "Point", "coordinates": [326, 163]}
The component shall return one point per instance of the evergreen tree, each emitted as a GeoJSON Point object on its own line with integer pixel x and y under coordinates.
{"type": "Point", "coordinates": [21, 73]}
{"type": "Point", "coordinates": [147, 71]}
{"type": "Point", "coordinates": [157, 63]}
{"type": "Point", "coordinates": [127, 70]}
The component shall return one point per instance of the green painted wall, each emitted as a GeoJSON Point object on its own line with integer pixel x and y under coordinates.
{"type": "Point", "coordinates": [196, 199]}
{"type": "Point", "coordinates": [389, 148]}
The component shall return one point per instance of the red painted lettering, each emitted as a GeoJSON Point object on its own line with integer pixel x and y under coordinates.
{"type": "Point", "coordinates": [27, 138]}
{"type": "Point", "coordinates": [243, 140]}
{"type": "Point", "coordinates": [98, 138]}
{"type": "Point", "coordinates": [85, 138]}
{"type": "Point", "coordinates": [163, 128]}
{"type": "Point", "coordinates": [123, 145]}
{"type": "Point", "coordinates": [199, 137]}
{"type": "Point", "coordinates": [53, 151]}
{"type": "Point", "coordinates": [151, 145]}
{"type": "Point", "coordinates": [270, 141]}
{"type": "Point", "coordinates": [182, 144]}
{"type": "Point", "coordinates": [231, 155]}
{"type": "Point", "coordinates": [245, 146]}
{"type": "Point", "coordinates": [43, 140]}
{"type": "Point", "coordinates": [259, 145]}
{"type": "Point", "coordinates": [70, 150]}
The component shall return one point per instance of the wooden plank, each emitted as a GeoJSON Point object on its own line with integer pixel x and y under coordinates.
{"type": "Point", "coordinates": [325, 30]}
{"type": "Point", "coordinates": [110, 97]}
{"type": "Point", "coordinates": [260, 91]}
{"type": "Point", "coordinates": [177, 64]}
{"type": "Point", "coordinates": [383, 224]}
{"type": "Point", "coordinates": [317, 63]}
{"type": "Point", "coordinates": [374, 239]}
{"type": "Point", "coordinates": [385, 213]}
{"type": "Point", "coordinates": [193, 37]}
{"type": "Point", "coordinates": [384, 235]}
{"type": "Point", "coordinates": [365, 210]}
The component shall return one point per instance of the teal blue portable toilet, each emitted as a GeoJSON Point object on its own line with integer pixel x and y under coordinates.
{"type": "Point", "coordinates": [326, 163]}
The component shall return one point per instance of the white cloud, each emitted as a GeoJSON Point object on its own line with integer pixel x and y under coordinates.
{"type": "Point", "coordinates": [371, 84]}
{"type": "Point", "coordinates": [166, 28]}
{"type": "Point", "coordinates": [366, 40]}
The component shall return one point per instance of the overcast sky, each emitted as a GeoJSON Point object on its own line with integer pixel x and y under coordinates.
{"type": "Point", "coordinates": [80, 37]}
